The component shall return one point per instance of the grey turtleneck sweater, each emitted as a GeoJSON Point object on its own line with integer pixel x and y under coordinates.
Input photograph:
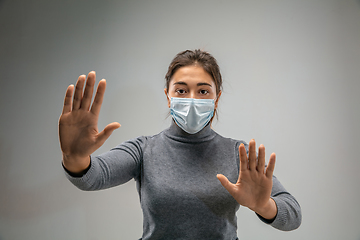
{"type": "Point", "coordinates": [180, 195]}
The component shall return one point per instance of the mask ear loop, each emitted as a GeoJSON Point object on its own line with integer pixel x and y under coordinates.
{"type": "Point", "coordinates": [169, 113]}
{"type": "Point", "coordinates": [215, 113]}
{"type": "Point", "coordinates": [169, 98]}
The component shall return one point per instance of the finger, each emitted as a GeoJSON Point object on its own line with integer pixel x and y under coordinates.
{"type": "Point", "coordinates": [252, 155]}
{"type": "Point", "coordinates": [89, 88]}
{"type": "Point", "coordinates": [226, 183]}
{"type": "Point", "coordinates": [271, 166]}
{"type": "Point", "coordinates": [96, 106]}
{"type": "Point", "coordinates": [68, 99]}
{"type": "Point", "coordinates": [78, 92]}
{"type": "Point", "coordinates": [261, 159]}
{"type": "Point", "coordinates": [105, 134]}
{"type": "Point", "coordinates": [243, 158]}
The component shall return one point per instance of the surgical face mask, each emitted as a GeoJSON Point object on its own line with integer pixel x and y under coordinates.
{"type": "Point", "coordinates": [192, 114]}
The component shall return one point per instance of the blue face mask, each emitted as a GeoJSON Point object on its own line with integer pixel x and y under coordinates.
{"type": "Point", "coordinates": [191, 114]}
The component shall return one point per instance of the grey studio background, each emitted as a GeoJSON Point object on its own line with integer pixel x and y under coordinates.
{"type": "Point", "coordinates": [291, 74]}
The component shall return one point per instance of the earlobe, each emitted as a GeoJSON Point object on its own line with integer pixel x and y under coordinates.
{"type": "Point", "coordinates": [167, 97]}
{"type": "Point", "coordinates": [217, 99]}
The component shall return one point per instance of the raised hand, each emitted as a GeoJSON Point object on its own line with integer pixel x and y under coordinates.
{"type": "Point", "coordinates": [254, 184]}
{"type": "Point", "coordinates": [78, 131]}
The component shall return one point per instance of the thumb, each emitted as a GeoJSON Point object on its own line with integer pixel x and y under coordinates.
{"type": "Point", "coordinates": [105, 134]}
{"type": "Point", "coordinates": [226, 183]}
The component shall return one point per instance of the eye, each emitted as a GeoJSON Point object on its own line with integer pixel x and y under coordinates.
{"type": "Point", "coordinates": [180, 91]}
{"type": "Point", "coordinates": [204, 92]}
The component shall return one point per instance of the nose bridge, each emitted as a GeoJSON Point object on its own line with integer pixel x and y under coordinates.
{"type": "Point", "coordinates": [193, 93]}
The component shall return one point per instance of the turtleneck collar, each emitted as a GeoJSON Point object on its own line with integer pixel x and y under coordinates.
{"type": "Point", "coordinates": [176, 133]}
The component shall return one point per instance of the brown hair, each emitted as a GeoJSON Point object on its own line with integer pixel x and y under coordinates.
{"type": "Point", "coordinates": [196, 57]}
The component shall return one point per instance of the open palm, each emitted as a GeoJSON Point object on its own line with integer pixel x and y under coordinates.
{"type": "Point", "coordinates": [78, 131]}
{"type": "Point", "coordinates": [253, 188]}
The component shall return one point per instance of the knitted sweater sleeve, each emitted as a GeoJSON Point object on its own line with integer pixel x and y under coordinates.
{"type": "Point", "coordinates": [289, 212]}
{"type": "Point", "coordinates": [115, 167]}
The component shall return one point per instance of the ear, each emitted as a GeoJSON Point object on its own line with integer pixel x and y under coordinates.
{"type": "Point", "coordinates": [167, 97]}
{"type": "Point", "coordinates": [217, 100]}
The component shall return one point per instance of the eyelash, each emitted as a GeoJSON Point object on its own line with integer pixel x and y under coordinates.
{"type": "Point", "coordinates": [182, 91]}
{"type": "Point", "coordinates": [178, 91]}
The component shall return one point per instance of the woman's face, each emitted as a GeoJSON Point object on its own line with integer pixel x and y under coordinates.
{"type": "Point", "coordinates": [192, 82]}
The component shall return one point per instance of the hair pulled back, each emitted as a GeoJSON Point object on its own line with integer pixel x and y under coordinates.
{"type": "Point", "coordinates": [197, 58]}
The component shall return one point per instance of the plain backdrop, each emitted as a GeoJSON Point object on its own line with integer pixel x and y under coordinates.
{"type": "Point", "coordinates": [291, 71]}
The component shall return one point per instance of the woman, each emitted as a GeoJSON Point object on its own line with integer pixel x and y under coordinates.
{"type": "Point", "coordinates": [176, 170]}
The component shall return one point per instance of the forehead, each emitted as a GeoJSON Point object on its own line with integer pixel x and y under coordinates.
{"type": "Point", "coordinates": [192, 74]}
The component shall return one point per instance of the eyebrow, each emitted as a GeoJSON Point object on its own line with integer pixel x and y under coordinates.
{"type": "Point", "coordinates": [199, 84]}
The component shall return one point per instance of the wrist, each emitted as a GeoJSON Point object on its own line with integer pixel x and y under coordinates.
{"type": "Point", "coordinates": [268, 211]}
{"type": "Point", "coordinates": [76, 165]}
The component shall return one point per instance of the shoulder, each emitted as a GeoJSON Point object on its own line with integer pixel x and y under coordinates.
{"type": "Point", "coordinates": [231, 141]}
{"type": "Point", "coordinates": [140, 141]}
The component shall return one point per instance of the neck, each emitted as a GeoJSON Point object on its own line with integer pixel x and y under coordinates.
{"type": "Point", "coordinates": [176, 133]}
